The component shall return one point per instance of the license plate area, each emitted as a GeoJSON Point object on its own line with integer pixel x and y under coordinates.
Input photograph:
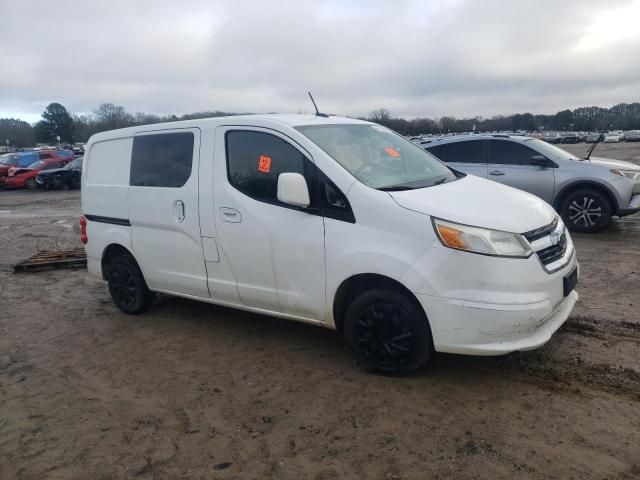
{"type": "Point", "coordinates": [570, 281]}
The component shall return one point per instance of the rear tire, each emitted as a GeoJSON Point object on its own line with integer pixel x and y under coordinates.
{"type": "Point", "coordinates": [388, 332]}
{"type": "Point", "coordinates": [127, 286]}
{"type": "Point", "coordinates": [586, 211]}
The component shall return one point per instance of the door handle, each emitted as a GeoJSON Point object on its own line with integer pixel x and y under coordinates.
{"type": "Point", "coordinates": [230, 215]}
{"type": "Point", "coordinates": [179, 211]}
{"type": "Point", "coordinates": [496, 172]}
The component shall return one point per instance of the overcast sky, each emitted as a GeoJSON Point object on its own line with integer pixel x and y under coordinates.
{"type": "Point", "coordinates": [415, 58]}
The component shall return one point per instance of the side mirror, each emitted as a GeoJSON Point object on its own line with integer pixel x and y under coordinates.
{"type": "Point", "coordinates": [293, 190]}
{"type": "Point", "coordinates": [541, 161]}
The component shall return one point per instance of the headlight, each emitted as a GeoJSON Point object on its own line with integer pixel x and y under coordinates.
{"type": "Point", "coordinates": [481, 240]}
{"type": "Point", "coordinates": [632, 174]}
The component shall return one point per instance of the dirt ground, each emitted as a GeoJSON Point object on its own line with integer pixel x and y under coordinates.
{"type": "Point", "coordinates": [191, 390]}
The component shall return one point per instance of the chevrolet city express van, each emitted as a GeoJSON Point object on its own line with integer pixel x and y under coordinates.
{"type": "Point", "coordinates": [332, 221]}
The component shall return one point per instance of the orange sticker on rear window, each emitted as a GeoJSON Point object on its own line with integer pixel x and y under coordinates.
{"type": "Point", "coordinates": [391, 152]}
{"type": "Point", "coordinates": [264, 164]}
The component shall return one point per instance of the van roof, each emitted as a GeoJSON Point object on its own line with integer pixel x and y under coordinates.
{"type": "Point", "coordinates": [258, 120]}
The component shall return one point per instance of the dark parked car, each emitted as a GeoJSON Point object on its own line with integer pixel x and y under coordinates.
{"type": "Point", "coordinates": [633, 136]}
{"type": "Point", "coordinates": [570, 137]}
{"type": "Point", "coordinates": [552, 137]}
{"type": "Point", "coordinates": [65, 177]}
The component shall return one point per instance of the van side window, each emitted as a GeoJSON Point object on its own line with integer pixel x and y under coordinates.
{"type": "Point", "coordinates": [162, 160]}
{"type": "Point", "coordinates": [256, 159]}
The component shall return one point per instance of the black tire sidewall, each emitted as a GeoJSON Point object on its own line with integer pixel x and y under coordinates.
{"type": "Point", "coordinates": [144, 297]}
{"type": "Point", "coordinates": [30, 183]}
{"type": "Point", "coordinates": [420, 325]}
{"type": "Point", "coordinates": [602, 201]}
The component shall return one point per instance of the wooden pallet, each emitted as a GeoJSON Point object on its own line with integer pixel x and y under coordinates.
{"type": "Point", "coordinates": [47, 260]}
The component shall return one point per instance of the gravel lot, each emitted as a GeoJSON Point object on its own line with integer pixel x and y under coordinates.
{"type": "Point", "coordinates": [191, 390]}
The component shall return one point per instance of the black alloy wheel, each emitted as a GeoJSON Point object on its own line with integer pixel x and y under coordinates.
{"type": "Point", "coordinates": [127, 286]}
{"type": "Point", "coordinates": [388, 332]}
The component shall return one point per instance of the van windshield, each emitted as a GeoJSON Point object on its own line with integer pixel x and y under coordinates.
{"type": "Point", "coordinates": [379, 157]}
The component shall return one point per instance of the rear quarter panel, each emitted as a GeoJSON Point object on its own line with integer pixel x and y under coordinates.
{"type": "Point", "coordinates": [105, 178]}
{"type": "Point", "coordinates": [105, 183]}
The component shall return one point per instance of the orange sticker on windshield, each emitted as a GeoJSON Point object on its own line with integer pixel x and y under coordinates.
{"type": "Point", "coordinates": [264, 164]}
{"type": "Point", "coordinates": [391, 152]}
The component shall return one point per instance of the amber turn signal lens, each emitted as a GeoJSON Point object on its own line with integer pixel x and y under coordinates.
{"type": "Point", "coordinates": [452, 237]}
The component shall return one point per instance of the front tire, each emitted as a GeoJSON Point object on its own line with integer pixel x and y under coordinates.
{"type": "Point", "coordinates": [30, 183]}
{"type": "Point", "coordinates": [586, 211]}
{"type": "Point", "coordinates": [388, 332]}
{"type": "Point", "coordinates": [127, 286]}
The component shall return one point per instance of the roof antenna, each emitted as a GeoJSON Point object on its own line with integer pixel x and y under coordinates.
{"type": "Point", "coordinates": [595, 144]}
{"type": "Point", "coordinates": [318, 114]}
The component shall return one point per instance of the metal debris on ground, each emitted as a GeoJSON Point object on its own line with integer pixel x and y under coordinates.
{"type": "Point", "coordinates": [47, 260]}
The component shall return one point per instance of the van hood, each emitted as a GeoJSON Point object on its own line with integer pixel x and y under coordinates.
{"type": "Point", "coordinates": [478, 202]}
{"type": "Point", "coordinates": [609, 162]}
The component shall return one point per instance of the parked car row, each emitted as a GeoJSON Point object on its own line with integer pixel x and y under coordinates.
{"type": "Point", "coordinates": [592, 137]}
{"type": "Point", "coordinates": [23, 169]}
{"type": "Point", "coordinates": [549, 137]}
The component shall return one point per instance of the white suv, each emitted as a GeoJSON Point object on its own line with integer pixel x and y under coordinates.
{"type": "Point", "coordinates": [332, 221]}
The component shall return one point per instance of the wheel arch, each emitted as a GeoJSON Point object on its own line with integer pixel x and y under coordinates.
{"type": "Point", "coordinates": [568, 189]}
{"type": "Point", "coordinates": [353, 286]}
{"type": "Point", "coordinates": [112, 251]}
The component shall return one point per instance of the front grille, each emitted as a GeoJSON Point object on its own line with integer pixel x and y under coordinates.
{"type": "Point", "coordinates": [554, 252]}
{"type": "Point", "coordinates": [550, 243]}
{"type": "Point", "coordinates": [541, 232]}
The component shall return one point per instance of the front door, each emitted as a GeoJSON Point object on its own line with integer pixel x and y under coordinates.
{"type": "Point", "coordinates": [276, 251]}
{"type": "Point", "coordinates": [163, 210]}
{"type": "Point", "coordinates": [509, 163]}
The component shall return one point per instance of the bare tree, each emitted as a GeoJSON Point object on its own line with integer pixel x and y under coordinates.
{"type": "Point", "coordinates": [380, 115]}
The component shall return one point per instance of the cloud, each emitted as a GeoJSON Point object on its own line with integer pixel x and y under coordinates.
{"type": "Point", "coordinates": [459, 57]}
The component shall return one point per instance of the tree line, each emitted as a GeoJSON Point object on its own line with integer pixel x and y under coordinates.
{"type": "Point", "coordinates": [57, 121]}
{"type": "Point", "coordinates": [624, 116]}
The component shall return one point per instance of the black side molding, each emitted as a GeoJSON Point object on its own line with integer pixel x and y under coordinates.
{"type": "Point", "coordinates": [114, 221]}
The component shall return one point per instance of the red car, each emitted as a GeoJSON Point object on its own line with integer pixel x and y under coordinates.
{"type": "Point", "coordinates": [25, 159]}
{"type": "Point", "coordinates": [26, 176]}
{"type": "Point", "coordinates": [6, 162]}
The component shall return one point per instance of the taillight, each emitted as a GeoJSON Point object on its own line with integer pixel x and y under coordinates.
{"type": "Point", "coordinates": [83, 230]}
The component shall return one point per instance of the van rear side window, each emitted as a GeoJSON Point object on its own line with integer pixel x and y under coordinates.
{"type": "Point", "coordinates": [162, 160]}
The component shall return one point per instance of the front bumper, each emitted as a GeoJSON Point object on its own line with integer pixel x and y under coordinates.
{"type": "Point", "coordinates": [49, 181]}
{"type": "Point", "coordinates": [12, 182]}
{"type": "Point", "coordinates": [633, 207]}
{"type": "Point", "coordinates": [504, 305]}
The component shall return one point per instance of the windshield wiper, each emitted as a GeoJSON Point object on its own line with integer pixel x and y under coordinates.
{"type": "Point", "coordinates": [442, 180]}
{"type": "Point", "coordinates": [396, 188]}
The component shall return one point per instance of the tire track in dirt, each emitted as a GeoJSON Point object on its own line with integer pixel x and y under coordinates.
{"type": "Point", "coordinates": [557, 367]}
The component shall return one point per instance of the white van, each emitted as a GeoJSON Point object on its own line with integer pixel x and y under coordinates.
{"type": "Point", "coordinates": [332, 221]}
